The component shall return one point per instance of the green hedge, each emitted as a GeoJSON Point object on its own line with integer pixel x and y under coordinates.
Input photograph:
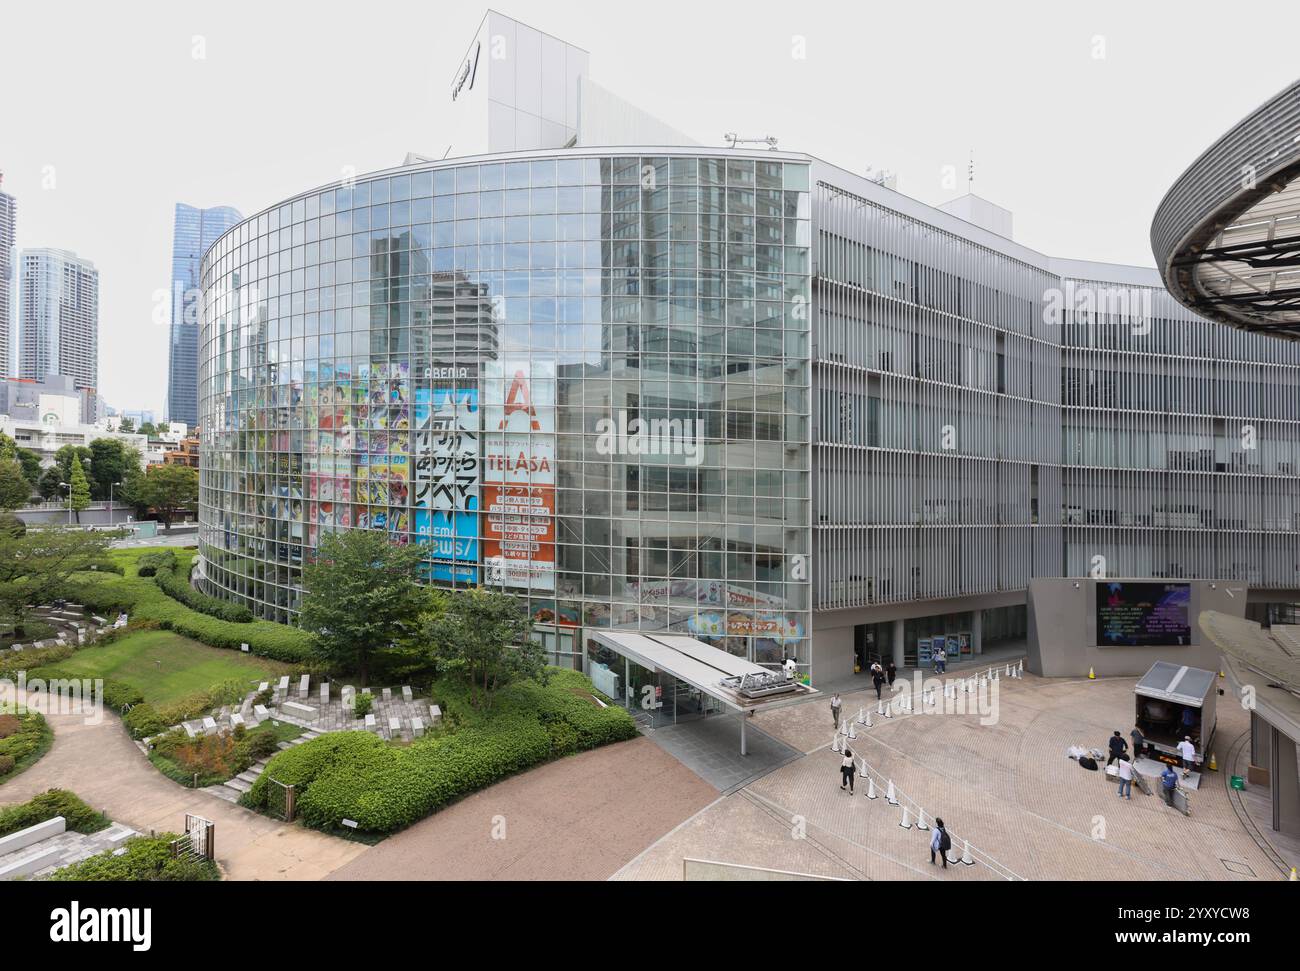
{"type": "Point", "coordinates": [11, 662]}
{"type": "Point", "coordinates": [145, 602]}
{"type": "Point", "coordinates": [147, 565]}
{"type": "Point", "coordinates": [23, 739]}
{"type": "Point", "coordinates": [55, 802]}
{"type": "Point", "coordinates": [145, 720]}
{"type": "Point", "coordinates": [178, 587]}
{"type": "Point", "coordinates": [117, 694]}
{"type": "Point", "coordinates": [357, 775]}
{"type": "Point", "coordinates": [147, 858]}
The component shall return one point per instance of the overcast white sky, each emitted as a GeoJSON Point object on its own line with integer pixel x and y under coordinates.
{"type": "Point", "coordinates": [1080, 148]}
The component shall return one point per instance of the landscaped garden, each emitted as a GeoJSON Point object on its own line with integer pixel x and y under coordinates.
{"type": "Point", "coordinates": [24, 738]}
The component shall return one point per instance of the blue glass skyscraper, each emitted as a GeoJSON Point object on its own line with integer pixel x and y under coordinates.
{"type": "Point", "coordinates": [195, 230]}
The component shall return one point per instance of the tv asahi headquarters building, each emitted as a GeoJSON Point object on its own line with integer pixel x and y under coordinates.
{"type": "Point", "coordinates": [739, 394]}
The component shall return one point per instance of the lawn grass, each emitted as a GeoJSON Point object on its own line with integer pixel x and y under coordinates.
{"type": "Point", "coordinates": [166, 667]}
{"type": "Point", "coordinates": [129, 558]}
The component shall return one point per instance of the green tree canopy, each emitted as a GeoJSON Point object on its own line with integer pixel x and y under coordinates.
{"type": "Point", "coordinates": [35, 564]}
{"type": "Point", "coordinates": [167, 489]}
{"type": "Point", "coordinates": [126, 426]}
{"type": "Point", "coordinates": [361, 595]}
{"type": "Point", "coordinates": [8, 447]}
{"type": "Point", "coordinates": [111, 460]}
{"type": "Point", "coordinates": [79, 493]}
{"type": "Point", "coordinates": [164, 428]}
{"type": "Point", "coordinates": [15, 488]}
{"type": "Point", "coordinates": [486, 636]}
{"type": "Point", "coordinates": [148, 429]}
{"type": "Point", "coordinates": [31, 462]}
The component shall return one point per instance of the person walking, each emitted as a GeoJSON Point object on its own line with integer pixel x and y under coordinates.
{"type": "Point", "coordinates": [940, 842]}
{"type": "Point", "coordinates": [891, 672]}
{"type": "Point", "coordinates": [1169, 785]}
{"type": "Point", "coordinates": [1138, 741]}
{"type": "Point", "coordinates": [1125, 778]}
{"type": "Point", "coordinates": [1186, 755]}
{"type": "Point", "coordinates": [1117, 747]}
{"type": "Point", "coordinates": [847, 769]}
{"type": "Point", "coordinates": [836, 704]}
{"type": "Point", "coordinates": [877, 678]}
{"type": "Point", "coordinates": [940, 663]}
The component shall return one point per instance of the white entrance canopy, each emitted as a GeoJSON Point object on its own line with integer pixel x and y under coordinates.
{"type": "Point", "coordinates": [700, 665]}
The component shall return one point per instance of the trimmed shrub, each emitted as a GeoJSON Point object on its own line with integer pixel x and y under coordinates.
{"type": "Point", "coordinates": [178, 588]}
{"type": "Point", "coordinates": [149, 564]}
{"type": "Point", "coordinates": [11, 663]}
{"type": "Point", "coordinates": [143, 721]}
{"type": "Point", "coordinates": [362, 705]}
{"type": "Point", "coordinates": [23, 739]}
{"type": "Point", "coordinates": [55, 802]}
{"type": "Point", "coordinates": [147, 858]}
{"type": "Point", "coordinates": [7, 764]}
{"type": "Point", "coordinates": [356, 775]}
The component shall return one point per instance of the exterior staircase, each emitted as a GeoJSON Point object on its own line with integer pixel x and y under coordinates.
{"type": "Point", "coordinates": [232, 789]}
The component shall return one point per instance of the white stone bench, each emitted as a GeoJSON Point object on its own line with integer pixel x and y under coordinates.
{"type": "Point", "coordinates": [370, 721]}
{"type": "Point", "coordinates": [261, 712]}
{"type": "Point", "coordinates": [298, 711]}
{"type": "Point", "coordinates": [35, 861]}
{"type": "Point", "coordinates": [325, 693]}
{"type": "Point", "coordinates": [395, 726]}
{"type": "Point", "coordinates": [417, 727]}
{"type": "Point", "coordinates": [189, 729]}
{"type": "Point", "coordinates": [304, 685]}
{"type": "Point", "coordinates": [237, 719]}
{"type": "Point", "coordinates": [435, 714]}
{"type": "Point", "coordinates": [284, 686]}
{"type": "Point", "coordinates": [209, 724]}
{"type": "Point", "coordinates": [406, 693]}
{"type": "Point", "coordinates": [263, 686]}
{"type": "Point", "coordinates": [32, 834]}
{"type": "Point", "coordinates": [388, 694]}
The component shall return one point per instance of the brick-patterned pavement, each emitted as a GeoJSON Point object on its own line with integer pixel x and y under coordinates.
{"type": "Point", "coordinates": [1006, 787]}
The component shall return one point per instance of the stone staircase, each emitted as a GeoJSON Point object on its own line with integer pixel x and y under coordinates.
{"type": "Point", "coordinates": [232, 789]}
{"type": "Point", "coordinates": [41, 858]}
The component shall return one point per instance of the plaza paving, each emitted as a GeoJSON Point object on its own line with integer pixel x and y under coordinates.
{"type": "Point", "coordinates": [1008, 788]}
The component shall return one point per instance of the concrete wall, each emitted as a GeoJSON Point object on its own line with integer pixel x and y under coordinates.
{"type": "Point", "coordinates": [1063, 629]}
{"type": "Point", "coordinates": [96, 515]}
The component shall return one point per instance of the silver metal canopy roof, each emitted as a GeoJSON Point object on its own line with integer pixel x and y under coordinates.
{"type": "Point", "coordinates": [1226, 237]}
{"type": "Point", "coordinates": [1175, 682]}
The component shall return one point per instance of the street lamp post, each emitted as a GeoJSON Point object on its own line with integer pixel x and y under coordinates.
{"type": "Point", "coordinates": [69, 488]}
{"type": "Point", "coordinates": [110, 502]}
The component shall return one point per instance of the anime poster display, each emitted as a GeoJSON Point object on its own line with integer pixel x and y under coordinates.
{"type": "Point", "coordinates": [446, 480]}
{"type": "Point", "coordinates": [519, 474]}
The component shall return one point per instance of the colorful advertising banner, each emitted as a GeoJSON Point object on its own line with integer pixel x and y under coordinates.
{"type": "Point", "coordinates": [519, 474]}
{"type": "Point", "coordinates": [446, 476]}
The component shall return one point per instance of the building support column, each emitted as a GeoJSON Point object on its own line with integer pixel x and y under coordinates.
{"type": "Point", "coordinates": [743, 717]}
{"type": "Point", "coordinates": [1284, 779]}
{"type": "Point", "coordinates": [977, 631]}
{"type": "Point", "coordinates": [899, 626]}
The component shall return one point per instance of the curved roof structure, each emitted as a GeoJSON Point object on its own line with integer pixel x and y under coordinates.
{"type": "Point", "coordinates": [1226, 236]}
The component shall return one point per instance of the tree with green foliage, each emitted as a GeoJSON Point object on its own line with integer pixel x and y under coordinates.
{"type": "Point", "coordinates": [486, 636]}
{"type": "Point", "coordinates": [15, 490]}
{"type": "Point", "coordinates": [111, 461]}
{"type": "Point", "coordinates": [147, 429]}
{"type": "Point", "coordinates": [167, 489]}
{"type": "Point", "coordinates": [31, 463]}
{"type": "Point", "coordinates": [62, 468]}
{"type": "Point", "coordinates": [35, 564]}
{"type": "Point", "coordinates": [126, 426]}
{"type": "Point", "coordinates": [164, 428]}
{"type": "Point", "coordinates": [79, 491]}
{"type": "Point", "coordinates": [8, 447]}
{"type": "Point", "coordinates": [361, 595]}
{"type": "Point", "coordinates": [49, 485]}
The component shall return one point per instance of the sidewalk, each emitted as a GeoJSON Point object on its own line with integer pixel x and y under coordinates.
{"type": "Point", "coordinates": [998, 655]}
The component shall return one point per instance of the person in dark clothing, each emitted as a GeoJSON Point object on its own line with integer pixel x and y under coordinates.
{"type": "Point", "coordinates": [1169, 785]}
{"type": "Point", "coordinates": [847, 770]}
{"type": "Point", "coordinates": [940, 842]}
{"type": "Point", "coordinates": [1117, 747]}
{"type": "Point", "coordinates": [1138, 741]}
{"type": "Point", "coordinates": [891, 673]}
{"type": "Point", "coordinates": [877, 678]}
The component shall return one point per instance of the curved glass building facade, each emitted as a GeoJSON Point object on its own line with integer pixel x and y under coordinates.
{"type": "Point", "coordinates": [578, 376]}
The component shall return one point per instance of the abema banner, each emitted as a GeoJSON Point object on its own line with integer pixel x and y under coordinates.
{"type": "Point", "coordinates": [519, 474]}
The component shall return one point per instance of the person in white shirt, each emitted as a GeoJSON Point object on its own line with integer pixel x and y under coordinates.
{"type": "Point", "coordinates": [1187, 751]}
{"type": "Point", "coordinates": [835, 708]}
{"type": "Point", "coordinates": [1125, 777]}
{"type": "Point", "coordinates": [847, 770]}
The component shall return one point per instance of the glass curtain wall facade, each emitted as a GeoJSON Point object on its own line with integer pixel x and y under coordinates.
{"type": "Point", "coordinates": [581, 378]}
{"type": "Point", "coordinates": [1182, 444]}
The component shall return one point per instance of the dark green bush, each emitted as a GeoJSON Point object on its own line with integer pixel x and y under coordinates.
{"type": "Point", "coordinates": [362, 705]}
{"type": "Point", "coordinates": [147, 858]}
{"type": "Point", "coordinates": [23, 739]}
{"type": "Point", "coordinates": [356, 775]}
{"type": "Point", "coordinates": [55, 802]}
{"type": "Point", "coordinates": [143, 721]}
{"type": "Point", "coordinates": [178, 587]}
{"type": "Point", "coordinates": [149, 564]}
{"type": "Point", "coordinates": [7, 763]}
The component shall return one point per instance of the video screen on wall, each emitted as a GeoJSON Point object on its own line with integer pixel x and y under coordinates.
{"type": "Point", "coordinates": [1143, 614]}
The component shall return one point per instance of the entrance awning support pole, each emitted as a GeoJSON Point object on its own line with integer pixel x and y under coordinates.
{"type": "Point", "coordinates": [743, 716]}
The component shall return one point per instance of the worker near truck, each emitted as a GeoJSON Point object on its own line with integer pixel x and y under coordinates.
{"type": "Point", "coordinates": [1186, 755]}
{"type": "Point", "coordinates": [1169, 785]}
{"type": "Point", "coordinates": [1117, 747]}
{"type": "Point", "coordinates": [1138, 741]}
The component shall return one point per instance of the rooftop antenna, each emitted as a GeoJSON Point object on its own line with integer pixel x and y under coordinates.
{"type": "Point", "coordinates": [970, 171]}
{"type": "Point", "coordinates": [733, 140]}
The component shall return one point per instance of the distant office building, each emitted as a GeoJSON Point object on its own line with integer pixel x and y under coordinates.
{"type": "Point", "coordinates": [59, 331]}
{"type": "Point", "coordinates": [195, 230]}
{"type": "Point", "coordinates": [52, 398]}
{"type": "Point", "coordinates": [8, 222]}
